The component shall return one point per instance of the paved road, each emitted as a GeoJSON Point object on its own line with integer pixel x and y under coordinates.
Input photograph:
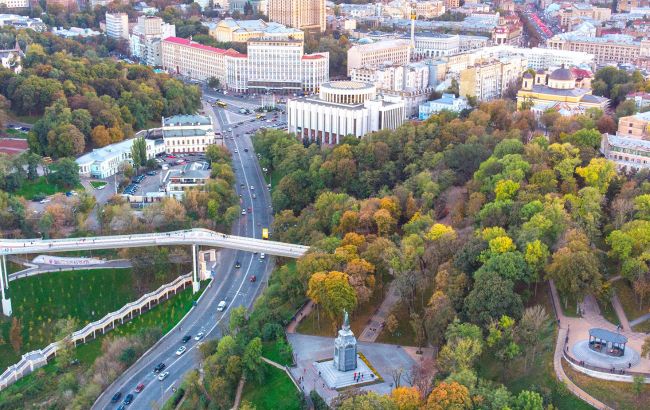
{"type": "Point", "coordinates": [230, 284]}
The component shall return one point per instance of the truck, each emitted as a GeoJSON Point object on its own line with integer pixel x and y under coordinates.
{"type": "Point", "coordinates": [265, 233]}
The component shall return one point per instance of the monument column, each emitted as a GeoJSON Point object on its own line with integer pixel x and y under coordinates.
{"type": "Point", "coordinates": [4, 285]}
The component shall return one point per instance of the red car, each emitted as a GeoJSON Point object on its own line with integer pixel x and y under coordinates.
{"type": "Point", "coordinates": [139, 387]}
{"type": "Point", "coordinates": [171, 156]}
{"type": "Point", "coordinates": [253, 278]}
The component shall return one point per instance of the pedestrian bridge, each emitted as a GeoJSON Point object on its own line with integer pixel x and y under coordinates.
{"type": "Point", "coordinates": [192, 237]}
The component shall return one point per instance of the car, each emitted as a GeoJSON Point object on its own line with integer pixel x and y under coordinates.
{"type": "Point", "coordinates": [243, 212]}
{"type": "Point", "coordinates": [116, 397]}
{"type": "Point", "coordinates": [186, 338]}
{"type": "Point", "coordinates": [128, 399]}
{"type": "Point", "coordinates": [237, 265]}
{"type": "Point", "coordinates": [245, 149]}
{"type": "Point", "coordinates": [254, 196]}
{"type": "Point", "coordinates": [181, 350]}
{"type": "Point", "coordinates": [199, 336]}
{"type": "Point", "coordinates": [236, 151]}
{"type": "Point", "coordinates": [171, 156]}
{"type": "Point", "coordinates": [221, 306]}
{"type": "Point", "coordinates": [252, 188]}
{"type": "Point", "coordinates": [253, 278]}
{"type": "Point", "coordinates": [151, 173]}
{"type": "Point", "coordinates": [139, 387]}
{"type": "Point", "coordinates": [262, 255]}
{"type": "Point", "coordinates": [162, 376]}
{"type": "Point", "coordinates": [250, 209]}
{"type": "Point", "coordinates": [159, 367]}
{"type": "Point", "coordinates": [229, 129]}
{"type": "Point", "coordinates": [44, 200]}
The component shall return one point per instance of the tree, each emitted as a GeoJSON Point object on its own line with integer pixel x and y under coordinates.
{"type": "Point", "coordinates": [438, 314]}
{"type": "Point", "coordinates": [491, 298]}
{"type": "Point", "coordinates": [238, 319]}
{"type": "Point", "coordinates": [100, 136]}
{"type": "Point", "coordinates": [448, 396]}
{"type": "Point", "coordinates": [65, 172]}
{"type": "Point", "coordinates": [501, 339]}
{"type": "Point", "coordinates": [529, 400]}
{"type": "Point", "coordinates": [368, 401]}
{"type": "Point", "coordinates": [333, 292]}
{"type": "Point", "coordinates": [391, 324]}
{"type": "Point", "coordinates": [252, 360]}
{"type": "Point", "coordinates": [406, 398]}
{"type": "Point", "coordinates": [138, 153]}
{"type": "Point", "coordinates": [598, 174]}
{"type": "Point", "coordinates": [418, 330]}
{"type": "Point", "coordinates": [459, 354]}
{"type": "Point", "coordinates": [16, 335]}
{"type": "Point", "coordinates": [534, 322]}
{"type": "Point", "coordinates": [574, 267]}
{"type": "Point", "coordinates": [65, 140]}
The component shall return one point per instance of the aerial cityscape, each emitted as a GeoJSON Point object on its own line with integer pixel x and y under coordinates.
{"type": "Point", "coordinates": [310, 204]}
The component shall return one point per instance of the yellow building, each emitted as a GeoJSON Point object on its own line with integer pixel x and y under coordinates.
{"type": "Point", "coordinates": [559, 90]}
{"type": "Point", "coordinates": [229, 30]}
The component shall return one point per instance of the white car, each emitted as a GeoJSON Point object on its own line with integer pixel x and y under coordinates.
{"type": "Point", "coordinates": [162, 376]}
{"type": "Point", "coordinates": [198, 336]}
{"type": "Point", "coordinates": [181, 350]}
{"type": "Point", "coordinates": [45, 200]}
{"type": "Point", "coordinates": [236, 151]}
{"type": "Point", "coordinates": [262, 255]}
{"type": "Point", "coordinates": [243, 212]}
{"type": "Point", "coordinates": [252, 188]}
{"type": "Point", "coordinates": [221, 306]}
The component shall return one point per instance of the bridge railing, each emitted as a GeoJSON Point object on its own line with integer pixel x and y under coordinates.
{"type": "Point", "coordinates": [39, 358]}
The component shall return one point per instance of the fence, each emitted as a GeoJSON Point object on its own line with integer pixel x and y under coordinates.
{"type": "Point", "coordinates": [39, 358]}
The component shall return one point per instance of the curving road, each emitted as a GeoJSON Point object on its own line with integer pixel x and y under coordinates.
{"type": "Point", "coordinates": [229, 284]}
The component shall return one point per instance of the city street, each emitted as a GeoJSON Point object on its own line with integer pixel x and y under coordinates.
{"type": "Point", "coordinates": [229, 284]}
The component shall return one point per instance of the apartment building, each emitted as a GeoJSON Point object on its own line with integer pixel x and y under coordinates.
{"type": "Point", "coordinates": [382, 52]}
{"type": "Point", "coordinates": [301, 14]}
{"type": "Point", "coordinates": [573, 14]}
{"type": "Point", "coordinates": [146, 39]}
{"type": "Point", "coordinates": [117, 25]}
{"type": "Point", "coordinates": [187, 133]}
{"type": "Point", "coordinates": [630, 147]}
{"type": "Point", "coordinates": [240, 31]}
{"type": "Point", "coordinates": [271, 65]}
{"type": "Point", "coordinates": [509, 30]}
{"type": "Point", "coordinates": [625, 6]}
{"type": "Point", "coordinates": [343, 108]}
{"type": "Point", "coordinates": [610, 48]}
{"type": "Point", "coordinates": [452, 4]}
{"type": "Point", "coordinates": [487, 80]}
{"type": "Point", "coordinates": [15, 4]}
{"type": "Point", "coordinates": [438, 44]}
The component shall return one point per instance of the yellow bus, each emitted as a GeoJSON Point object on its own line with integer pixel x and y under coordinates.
{"type": "Point", "coordinates": [265, 233]}
{"type": "Point", "coordinates": [222, 104]}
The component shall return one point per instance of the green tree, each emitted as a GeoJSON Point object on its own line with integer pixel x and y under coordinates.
{"type": "Point", "coordinates": [138, 153]}
{"type": "Point", "coordinates": [252, 360]}
{"type": "Point", "coordinates": [65, 140]}
{"type": "Point", "coordinates": [528, 400]}
{"type": "Point", "coordinates": [65, 173]}
{"type": "Point", "coordinates": [491, 298]}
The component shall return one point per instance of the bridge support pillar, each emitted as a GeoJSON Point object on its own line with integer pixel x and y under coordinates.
{"type": "Point", "coordinates": [196, 285]}
{"type": "Point", "coordinates": [4, 287]}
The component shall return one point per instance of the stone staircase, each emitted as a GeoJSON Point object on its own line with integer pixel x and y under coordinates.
{"type": "Point", "coordinates": [336, 379]}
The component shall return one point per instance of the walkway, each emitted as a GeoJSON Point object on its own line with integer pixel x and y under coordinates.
{"type": "Point", "coordinates": [559, 347]}
{"type": "Point", "coordinates": [376, 323]}
{"type": "Point", "coordinates": [300, 315]}
{"type": "Point", "coordinates": [640, 319]}
{"type": "Point", "coordinates": [37, 269]}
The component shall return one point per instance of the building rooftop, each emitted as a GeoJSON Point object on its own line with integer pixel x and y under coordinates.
{"type": "Point", "coordinates": [189, 132]}
{"type": "Point", "coordinates": [104, 153]}
{"type": "Point", "coordinates": [194, 44]}
{"type": "Point", "coordinates": [186, 120]}
{"type": "Point", "coordinates": [380, 45]}
{"type": "Point", "coordinates": [347, 85]}
{"type": "Point", "coordinates": [626, 142]}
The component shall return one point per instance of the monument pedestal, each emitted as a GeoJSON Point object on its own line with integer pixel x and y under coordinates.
{"type": "Point", "coordinates": [336, 379]}
{"type": "Point", "coordinates": [6, 307]}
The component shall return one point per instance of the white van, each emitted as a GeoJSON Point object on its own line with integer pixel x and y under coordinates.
{"type": "Point", "coordinates": [221, 306]}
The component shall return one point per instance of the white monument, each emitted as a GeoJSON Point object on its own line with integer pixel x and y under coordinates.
{"type": "Point", "coordinates": [345, 348]}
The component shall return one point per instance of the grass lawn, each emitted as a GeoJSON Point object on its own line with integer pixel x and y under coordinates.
{"type": "Point", "coordinates": [28, 119]}
{"type": "Point", "coordinates": [276, 392]}
{"type": "Point", "coordinates": [40, 186]}
{"type": "Point", "coordinates": [629, 300]}
{"type": "Point", "coordinates": [617, 395]}
{"type": "Point", "coordinates": [404, 335]}
{"type": "Point", "coordinates": [271, 351]}
{"type": "Point", "coordinates": [39, 386]}
{"type": "Point", "coordinates": [642, 327]}
{"type": "Point", "coordinates": [98, 184]}
{"type": "Point", "coordinates": [15, 133]}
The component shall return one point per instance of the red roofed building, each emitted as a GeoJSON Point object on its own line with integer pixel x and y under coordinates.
{"type": "Point", "coordinates": [271, 65]}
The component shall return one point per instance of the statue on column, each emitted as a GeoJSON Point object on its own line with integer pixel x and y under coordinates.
{"type": "Point", "coordinates": [345, 347]}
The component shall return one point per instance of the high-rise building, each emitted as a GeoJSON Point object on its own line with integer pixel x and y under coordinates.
{"type": "Point", "coordinates": [302, 14]}
{"type": "Point", "coordinates": [146, 39]}
{"type": "Point", "coordinates": [487, 80]}
{"type": "Point", "coordinates": [117, 25]}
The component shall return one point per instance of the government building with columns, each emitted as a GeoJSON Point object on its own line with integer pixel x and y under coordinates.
{"type": "Point", "coordinates": [343, 108]}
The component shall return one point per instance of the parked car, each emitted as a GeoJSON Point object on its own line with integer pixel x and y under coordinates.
{"type": "Point", "coordinates": [128, 399]}
{"type": "Point", "coordinates": [181, 350]}
{"type": "Point", "coordinates": [187, 338]}
{"type": "Point", "coordinates": [116, 397]}
{"type": "Point", "coordinates": [139, 387]}
{"type": "Point", "coordinates": [162, 376]}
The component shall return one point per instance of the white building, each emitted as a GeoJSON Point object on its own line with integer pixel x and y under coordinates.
{"type": "Point", "coordinates": [117, 25]}
{"type": "Point", "coordinates": [187, 133]}
{"type": "Point", "coordinates": [147, 37]}
{"type": "Point", "coordinates": [107, 161]}
{"type": "Point", "coordinates": [73, 32]}
{"type": "Point", "coordinates": [343, 108]}
{"type": "Point", "coordinates": [177, 181]}
{"type": "Point", "coordinates": [438, 45]}
{"type": "Point", "coordinates": [17, 21]}
{"type": "Point", "coordinates": [375, 54]}
{"type": "Point", "coordinates": [12, 59]}
{"type": "Point", "coordinates": [271, 65]}
{"type": "Point", "coordinates": [414, 76]}
{"type": "Point", "coordinates": [447, 102]}
{"type": "Point", "coordinates": [15, 4]}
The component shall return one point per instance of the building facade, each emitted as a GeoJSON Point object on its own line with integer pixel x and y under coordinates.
{"type": "Point", "coordinates": [146, 39]}
{"type": "Point", "coordinates": [440, 45]}
{"type": "Point", "coordinates": [448, 102]}
{"type": "Point", "coordinates": [240, 31]}
{"type": "Point", "coordinates": [15, 4]}
{"type": "Point", "coordinates": [107, 161]}
{"type": "Point", "coordinates": [630, 147]}
{"type": "Point", "coordinates": [271, 65]}
{"type": "Point", "coordinates": [301, 14]}
{"type": "Point", "coordinates": [487, 80]}
{"type": "Point", "coordinates": [187, 133]}
{"type": "Point", "coordinates": [117, 25]}
{"type": "Point", "coordinates": [374, 54]}
{"type": "Point", "coordinates": [610, 48]}
{"type": "Point", "coordinates": [343, 108]}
